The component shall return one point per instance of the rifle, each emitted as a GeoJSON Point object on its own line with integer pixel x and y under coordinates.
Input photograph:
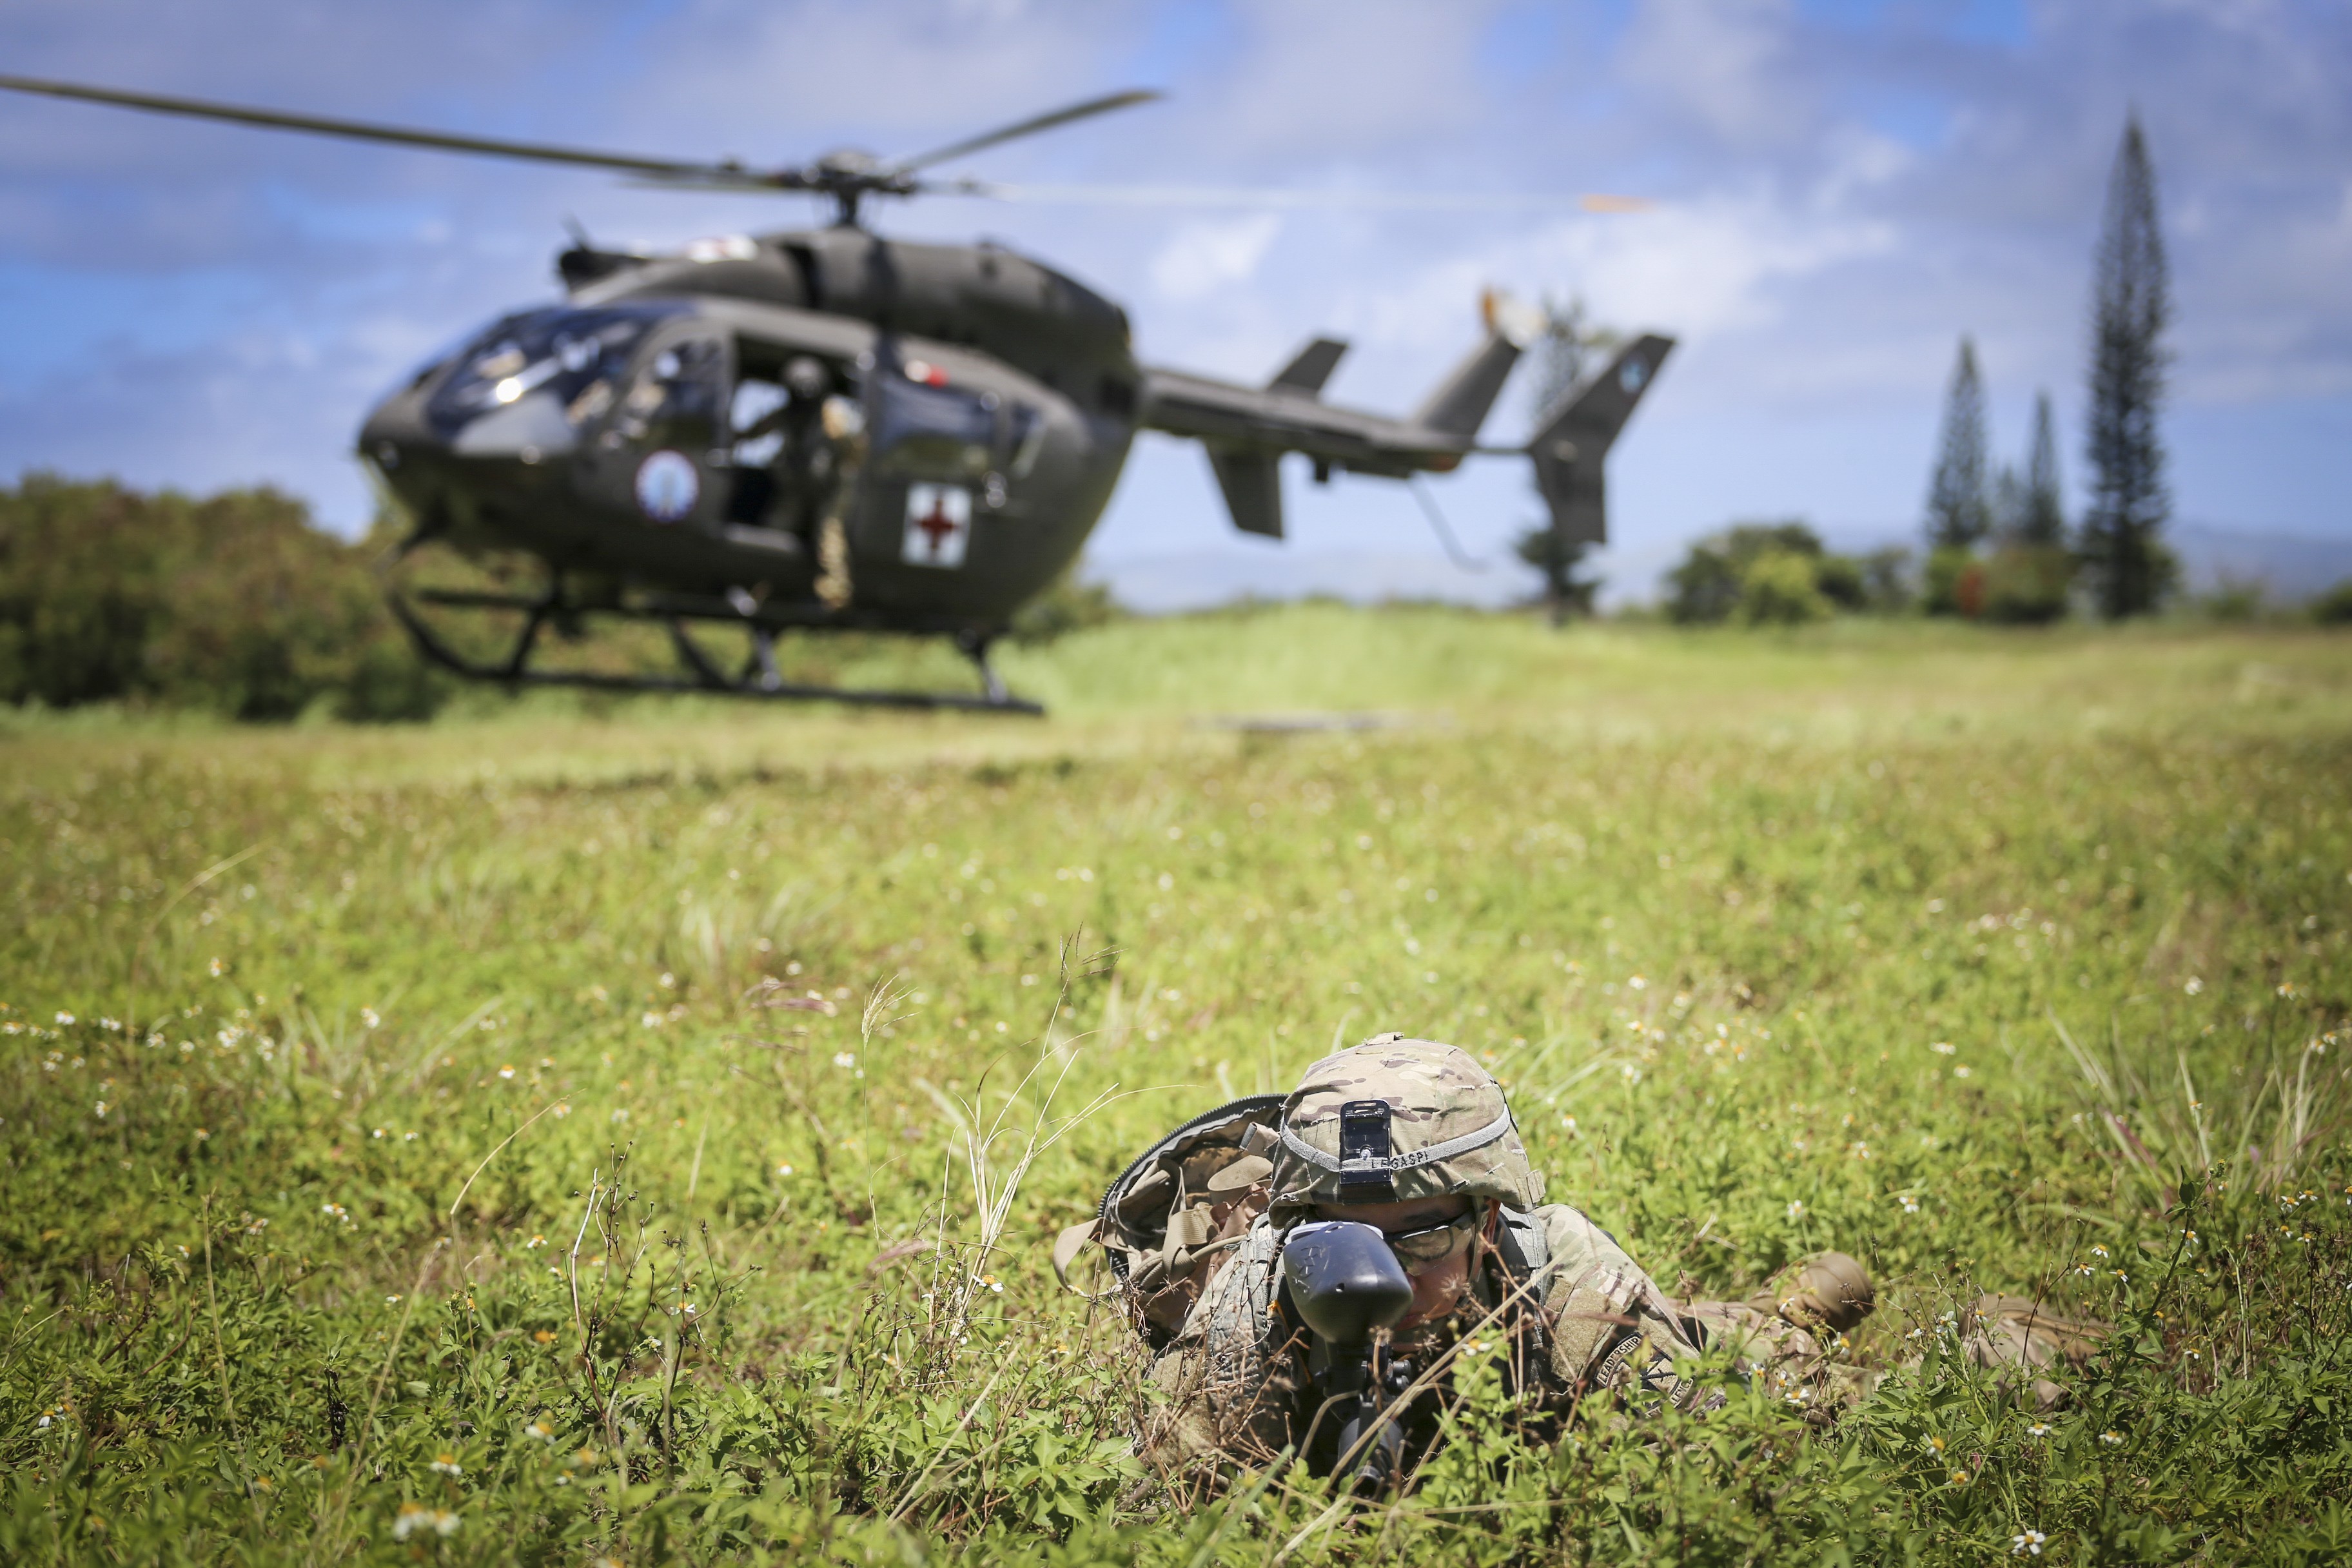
{"type": "Point", "coordinates": [1349, 1289]}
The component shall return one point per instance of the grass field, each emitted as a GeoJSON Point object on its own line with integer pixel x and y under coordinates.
{"type": "Point", "coordinates": [402, 1165]}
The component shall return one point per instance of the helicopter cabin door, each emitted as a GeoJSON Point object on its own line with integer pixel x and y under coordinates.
{"type": "Point", "coordinates": [670, 433]}
{"type": "Point", "coordinates": [934, 473]}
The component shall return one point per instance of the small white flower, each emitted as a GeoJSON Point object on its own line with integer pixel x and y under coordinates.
{"type": "Point", "coordinates": [2194, 985]}
{"type": "Point", "coordinates": [413, 1517]}
{"type": "Point", "coordinates": [369, 1016]}
{"type": "Point", "coordinates": [2038, 1429]}
{"type": "Point", "coordinates": [65, 1017]}
{"type": "Point", "coordinates": [844, 1058]}
{"type": "Point", "coordinates": [1796, 1209]}
{"type": "Point", "coordinates": [2031, 1541]}
{"type": "Point", "coordinates": [2113, 1439]}
{"type": "Point", "coordinates": [447, 1464]}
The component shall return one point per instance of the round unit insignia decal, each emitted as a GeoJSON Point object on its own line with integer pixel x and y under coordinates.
{"type": "Point", "coordinates": [1632, 377]}
{"type": "Point", "coordinates": [667, 486]}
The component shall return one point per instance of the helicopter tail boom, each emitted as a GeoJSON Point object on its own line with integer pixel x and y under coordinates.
{"type": "Point", "coordinates": [1245, 430]}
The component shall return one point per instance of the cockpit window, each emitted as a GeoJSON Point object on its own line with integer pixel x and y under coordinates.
{"type": "Point", "coordinates": [566, 353]}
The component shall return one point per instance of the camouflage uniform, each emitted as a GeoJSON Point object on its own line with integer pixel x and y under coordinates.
{"type": "Point", "coordinates": [1574, 1310]}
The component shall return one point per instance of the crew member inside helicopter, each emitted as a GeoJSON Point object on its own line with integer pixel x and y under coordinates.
{"type": "Point", "coordinates": [784, 463]}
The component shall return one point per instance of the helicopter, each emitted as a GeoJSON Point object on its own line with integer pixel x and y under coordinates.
{"type": "Point", "coordinates": [827, 430]}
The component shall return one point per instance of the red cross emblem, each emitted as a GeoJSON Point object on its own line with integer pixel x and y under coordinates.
{"type": "Point", "coordinates": [937, 525]}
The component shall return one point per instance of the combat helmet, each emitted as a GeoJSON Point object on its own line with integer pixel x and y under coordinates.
{"type": "Point", "coordinates": [1400, 1119]}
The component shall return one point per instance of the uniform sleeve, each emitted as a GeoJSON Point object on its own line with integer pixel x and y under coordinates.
{"type": "Point", "coordinates": [1229, 1379]}
{"type": "Point", "coordinates": [1610, 1325]}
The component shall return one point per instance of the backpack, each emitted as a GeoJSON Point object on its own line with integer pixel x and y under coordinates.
{"type": "Point", "coordinates": [1172, 1219]}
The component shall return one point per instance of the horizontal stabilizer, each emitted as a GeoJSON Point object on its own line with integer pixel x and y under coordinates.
{"type": "Point", "coordinates": [1574, 435]}
{"type": "Point", "coordinates": [1252, 481]}
{"type": "Point", "coordinates": [1309, 368]}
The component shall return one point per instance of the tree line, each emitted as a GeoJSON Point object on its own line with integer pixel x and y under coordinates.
{"type": "Point", "coordinates": [236, 603]}
{"type": "Point", "coordinates": [1999, 545]}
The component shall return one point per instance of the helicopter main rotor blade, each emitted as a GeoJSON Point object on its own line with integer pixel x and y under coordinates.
{"type": "Point", "coordinates": [1219, 196]}
{"type": "Point", "coordinates": [1029, 127]}
{"type": "Point", "coordinates": [360, 130]}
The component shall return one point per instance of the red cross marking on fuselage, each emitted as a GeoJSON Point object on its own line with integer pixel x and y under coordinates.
{"type": "Point", "coordinates": [938, 527]}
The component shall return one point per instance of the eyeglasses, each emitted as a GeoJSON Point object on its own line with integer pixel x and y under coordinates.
{"type": "Point", "coordinates": [1424, 1250]}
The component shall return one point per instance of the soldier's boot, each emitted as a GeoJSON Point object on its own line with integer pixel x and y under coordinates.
{"type": "Point", "coordinates": [1828, 1291]}
{"type": "Point", "coordinates": [2023, 1337]}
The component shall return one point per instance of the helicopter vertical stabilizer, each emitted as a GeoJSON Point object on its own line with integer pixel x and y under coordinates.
{"type": "Point", "coordinates": [1251, 480]}
{"type": "Point", "coordinates": [1309, 368]}
{"type": "Point", "coordinates": [1459, 405]}
{"type": "Point", "coordinates": [1574, 435]}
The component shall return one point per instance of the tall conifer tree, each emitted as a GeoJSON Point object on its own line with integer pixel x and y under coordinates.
{"type": "Point", "coordinates": [2044, 519]}
{"type": "Point", "coordinates": [1958, 511]}
{"type": "Point", "coordinates": [2131, 305]}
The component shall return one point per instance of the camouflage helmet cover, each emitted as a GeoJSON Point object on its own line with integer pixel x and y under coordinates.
{"type": "Point", "coordinates": [1450, 1127]}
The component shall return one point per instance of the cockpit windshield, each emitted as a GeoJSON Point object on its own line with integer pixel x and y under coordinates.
{"type": "Point", "coordinates": [564, 351]}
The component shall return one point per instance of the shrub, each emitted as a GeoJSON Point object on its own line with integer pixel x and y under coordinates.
{"type": "Point", "coordinates": [1713, 582]}
{"type": "Point", "coordinates": [1886, 585]}
{"type": "Point", "coordinates": [1067, 605]}
{"type": "Point", "coordinates": [2333, 608]}
{"type": "Point", "coordinates": [1955, 583]}
{"type": "Point", "coordinates": [2027, 585]}
{"type": "Point", "coordinates": [1782, 587]}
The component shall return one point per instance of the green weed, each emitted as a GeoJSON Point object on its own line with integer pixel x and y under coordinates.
{"type": "Point", "coordinates": [633, 1133]}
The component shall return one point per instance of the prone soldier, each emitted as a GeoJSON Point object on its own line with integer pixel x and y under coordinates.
{"type": "Point", "coordinates": [1302, 1267]}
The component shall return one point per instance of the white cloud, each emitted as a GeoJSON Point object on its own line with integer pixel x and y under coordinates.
{"type": "Point", "coordinates": [1725, 63]}
{"type": "Point", "coordinates": [1209, 255]}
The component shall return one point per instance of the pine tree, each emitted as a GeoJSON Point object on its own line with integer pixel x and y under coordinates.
{"type": "Point", "coordinates": [1958, 511]}
{"type": "Point", "coordinates": [2131, 305]}
{"type": "Point", "coordinates": [2009, 505]}
{"type": "Point", "coordinates": [2043, 520]}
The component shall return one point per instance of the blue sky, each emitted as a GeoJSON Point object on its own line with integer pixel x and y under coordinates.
{"type": "Point", "coordinates": [1842, 188]}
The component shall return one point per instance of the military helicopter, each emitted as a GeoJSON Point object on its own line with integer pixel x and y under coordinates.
{"type": "Point", "coordinates": [828, 430]}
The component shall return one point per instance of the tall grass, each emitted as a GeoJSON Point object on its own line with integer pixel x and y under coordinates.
{"type": "Point", "coordinates": [634, 1132]}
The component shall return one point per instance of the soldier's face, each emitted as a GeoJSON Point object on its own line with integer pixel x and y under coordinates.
{"type": "Point", "coordinates": [1437, 1289]}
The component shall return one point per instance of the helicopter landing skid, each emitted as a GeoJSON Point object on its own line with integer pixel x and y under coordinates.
{"type": "Point", "coordinates": [758, 679]}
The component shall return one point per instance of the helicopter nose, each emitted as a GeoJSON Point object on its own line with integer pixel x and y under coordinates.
{"type": "Point", "coordinates": [405, 456]}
